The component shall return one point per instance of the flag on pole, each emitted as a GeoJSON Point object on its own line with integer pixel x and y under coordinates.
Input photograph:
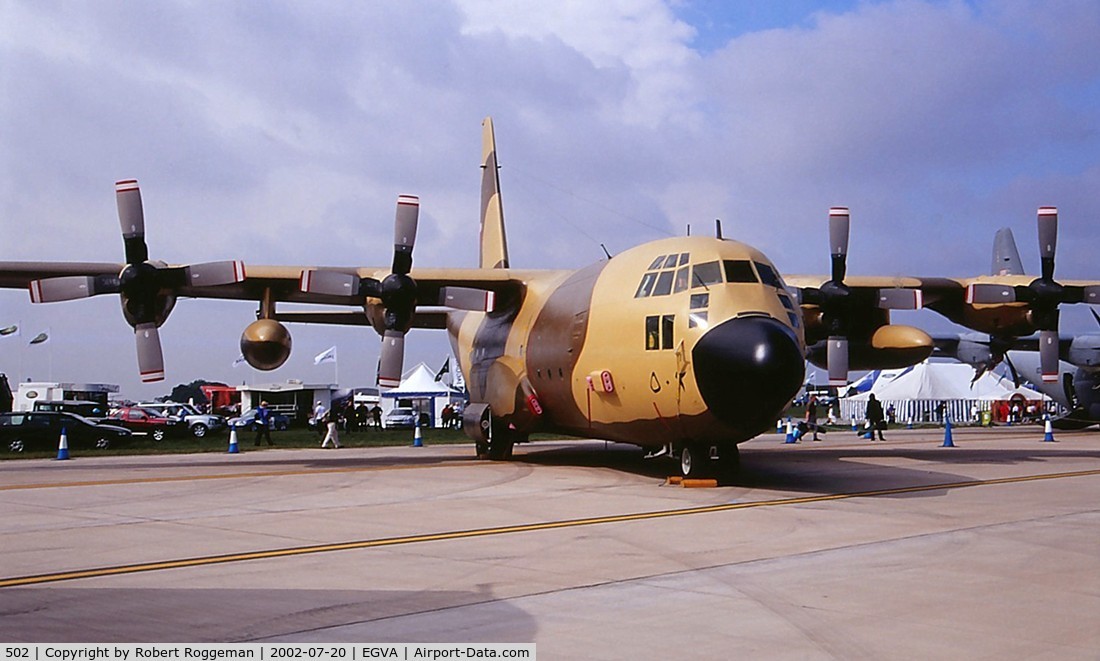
{"type": "Point", "coordinates": [239, 361]}
{"type": "Point", "coordinates": [10, 331]}
{"type": "Point", "coordinates": [41, 338]}
{"type": "Point", "coordinates": [326, 356]}
{"type": "Point", "coordinates": [446, 369]}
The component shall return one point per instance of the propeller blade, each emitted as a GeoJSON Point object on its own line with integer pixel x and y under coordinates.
{"type": "Point", "coordinates": [210, 274]}
{"type": "Point", "coordinates": [837, 357]}
{"type": "Point", "coordinates": [839, 223]}
{"type": "Point", "coordinates": [132, 220]}
{"type": "Point", "coordinates": [334, 283]}
{"type": "Point", "coordinates": [1048, 239]}
{"type": "Point", "coordinates": [900, 299]}
{"type": "Point", "coordinates": [989, 293]}
{"type": "Point", "coordinates": [1091, 295]}
{"type": "Point", "coordinates": [150, 358]}
{"type": "Point", "coordinates": [1012, 370]}
{"type": "Point", "coordinates": [1048, 355]}
{"type": "Point", "coordinates": [404, 232]}
{"type": "Point", "coordinates": [467, 298]}
{"type": "Point", "coordinates": [70, 288]}
{"type": "Point", "coordinates": [391, 360]}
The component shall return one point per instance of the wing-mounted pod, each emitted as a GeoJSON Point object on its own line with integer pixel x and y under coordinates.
{"type": "Point", "coordinates": [842, 307]}
{"type": "Point", "coordinates": [1042, 295]}
{"type": "Point", "coordinates": [266, 343]}
{"type": "Point", "coordinates": [146, 288]}
{"type": "Point", "coordinates": [397, 292]}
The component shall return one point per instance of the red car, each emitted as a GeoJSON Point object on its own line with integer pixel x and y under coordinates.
{"type": "Point", "coordinates": [141, 421]}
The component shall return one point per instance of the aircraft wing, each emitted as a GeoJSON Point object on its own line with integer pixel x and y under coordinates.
{"type": "Point", "coordinates": [284, 284]}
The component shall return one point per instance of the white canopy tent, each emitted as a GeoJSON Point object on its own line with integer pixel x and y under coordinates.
{"type": "Point", "coordinates": [420, 389]}
{"type": "Point", "coordinates": [917, 392]}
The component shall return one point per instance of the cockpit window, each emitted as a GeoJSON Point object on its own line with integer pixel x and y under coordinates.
{"type": "Point", "coordinates": [664, 284]}
{"type": "Point", "coordinates": [768, 275]}
{"type": "Point", "coordinates": [683, 258]}
{"type": "Point", "coordinates": [671, 261]}
{"type": "Point", "coordinates": [739, 270]}
{"type": "Point", "coordinates": [681, 280]}
{"type": "Point", "coordinates": [646, 285]}
{"type": "Point", "coordinates": [704, 274]}
{"type": "Point", "coordinates": [656, 263]}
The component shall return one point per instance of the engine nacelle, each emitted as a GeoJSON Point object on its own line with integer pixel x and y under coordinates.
{"type": "Point", "coordinates": [974, 353]}
{"type": "Point", "coordinates": [1084, 351]}
{"type": "Point", "coordinates": [890, 347]}
{"type": "Point", "coordinates": [476, 422]}
{"type": "Point", "coordinates": [265, 344]}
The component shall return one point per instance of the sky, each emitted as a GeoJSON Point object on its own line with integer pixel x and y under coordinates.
{"type": "Point", "coordinates": [282, 133]}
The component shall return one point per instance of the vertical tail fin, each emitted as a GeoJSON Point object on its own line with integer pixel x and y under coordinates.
{"type": "Point", "coordinates": [494, 245]}
{"type": "Point", "coordinates": [1006, 259]}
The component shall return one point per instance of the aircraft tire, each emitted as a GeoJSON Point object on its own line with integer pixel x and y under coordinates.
{"type": "Point", "coordinates": [695, 461]}
{"type": "Point", "coordinates": [729, 462]}
{"type": "Point", "coordinates": [500, 447]}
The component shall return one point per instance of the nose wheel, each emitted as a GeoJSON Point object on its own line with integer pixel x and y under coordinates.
{"type": "Point", "coordinates": [709, 461]}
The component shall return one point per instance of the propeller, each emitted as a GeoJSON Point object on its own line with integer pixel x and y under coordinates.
{"type": "Point", "coordinates": [397, 290]}
{"type": "Point", "coordinates": [147, 289]}
{"type": "Point", "coordinates": [1043, 295]}
{"type": "Point", "coordinates": [836, 299]}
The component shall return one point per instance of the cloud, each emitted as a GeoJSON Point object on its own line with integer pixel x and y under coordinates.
{"type": "Point", "coordinates": [282, 133]}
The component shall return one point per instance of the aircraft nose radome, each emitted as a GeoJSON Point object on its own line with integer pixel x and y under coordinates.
{"type": "Point", "coordinates": [747, 369]}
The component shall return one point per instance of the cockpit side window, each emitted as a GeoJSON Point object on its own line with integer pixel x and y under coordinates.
{"type": "Point", "coordinates": [664, 284]}
{"type": "Point", "coordinates": [646, 285]}
{"type": "Point", "coordinates": [768, 275]}
{"type": "Point", "coordinates": [663, 273]}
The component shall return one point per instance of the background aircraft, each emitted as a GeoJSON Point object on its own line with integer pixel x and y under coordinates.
{"type": "Point", "coordinates": [686, 346]}
{"type": "Point", "coordinates": [1076, 382]}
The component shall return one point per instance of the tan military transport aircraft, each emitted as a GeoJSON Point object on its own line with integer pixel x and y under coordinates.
{"type": "Point", "coordinates": [685, 346]}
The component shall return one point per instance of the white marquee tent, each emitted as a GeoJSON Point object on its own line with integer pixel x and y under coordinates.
{"type": "Point", "coordinates": [916, 393]}
{"type": "Point", "coordinates": [420, 389]}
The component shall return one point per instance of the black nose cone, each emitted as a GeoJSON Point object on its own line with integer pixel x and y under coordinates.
{"type": "Point", "coordinates": [747, 369]}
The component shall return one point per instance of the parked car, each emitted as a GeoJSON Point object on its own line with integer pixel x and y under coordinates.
{"type": "Point", "coordinates": [200, 424]}
{"type": "Point", "coordinates": [90, 410]}
{"type": "Point", "coordinates": [140, 421]}
{"type": "Point", "coordinates": [41, 430]}
{"type": "Point", "coordinates": [247, 420]}
{"type": "Point", "coordinates": [400, 416]}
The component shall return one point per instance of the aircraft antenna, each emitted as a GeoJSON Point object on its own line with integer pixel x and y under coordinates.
{"type": "Point", "coordinates": [718, 228]}
{"type": "Point", "coordinates": [605, 251]}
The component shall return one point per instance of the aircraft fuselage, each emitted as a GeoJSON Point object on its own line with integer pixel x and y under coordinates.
{"type": "Point", "coordinates": [678, 341]}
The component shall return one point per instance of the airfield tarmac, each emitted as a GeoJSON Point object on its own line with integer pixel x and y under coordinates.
{"type": "Point", "coordinates": [839, 549]}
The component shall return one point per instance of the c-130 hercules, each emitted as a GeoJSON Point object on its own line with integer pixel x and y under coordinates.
{"type": "Point", "coordinates": [685, 346]}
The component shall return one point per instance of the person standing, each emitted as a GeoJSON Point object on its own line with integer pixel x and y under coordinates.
{"type": "Point", "coordinates": [875, 417]}
{"type": "Point", "coordinates": [332, 433]}
{"type": "Point", "coordinates": [263, 424]}
{"type": "Point", "coordinates": [318, 417]}
{"type": "Point", "coordinates": [811, 416]}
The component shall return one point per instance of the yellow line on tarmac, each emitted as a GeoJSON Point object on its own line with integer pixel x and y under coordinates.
{"type": "Point", "coordinates": [218, 476]}
{"type": "Point", "coordinates": [504, 530]}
